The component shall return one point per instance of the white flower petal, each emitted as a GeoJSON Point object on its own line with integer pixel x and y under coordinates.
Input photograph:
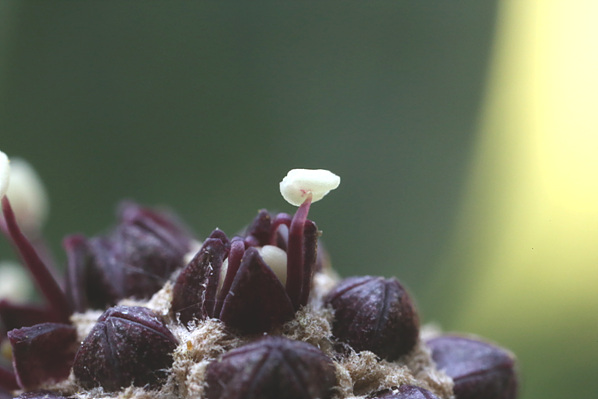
{"type": "Point", "coordinates": [298, 183]}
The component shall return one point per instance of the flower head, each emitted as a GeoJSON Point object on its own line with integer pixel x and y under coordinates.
{"type": "Point", "coordinates": [196, 336]}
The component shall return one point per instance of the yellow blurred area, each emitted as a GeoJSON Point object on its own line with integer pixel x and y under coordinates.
{"type": "Point", "coordinates": [528, 230]}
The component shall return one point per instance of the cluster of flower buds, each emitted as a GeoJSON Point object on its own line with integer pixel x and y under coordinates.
{"type": "Point", "coordinates": [254, 287]}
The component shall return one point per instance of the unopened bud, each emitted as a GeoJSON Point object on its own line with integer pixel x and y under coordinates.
{"type": "Point", "coordinates": [276, 258]}
{"type": "Point", "coordinates": [14, 282]}
{"type": "Point", "coordinates": [27, 195]}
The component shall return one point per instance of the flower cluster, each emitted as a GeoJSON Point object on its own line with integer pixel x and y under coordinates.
{"type": "Point", "coordinates": [142, 312]}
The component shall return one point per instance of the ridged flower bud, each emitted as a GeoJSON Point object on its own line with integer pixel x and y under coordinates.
{"type": "Point", "coordinates": [480, 370]}
{"type": "Point", "coordinates": [375, 314]}
{"type": "Point", "coordinates": [128, 345]}
{"type": "Point", "coordinates": [271, 368]}
{"type": "Point", "coordinates": [135, 260]}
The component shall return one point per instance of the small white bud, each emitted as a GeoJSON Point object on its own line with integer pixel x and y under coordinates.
{"type": "Point", "coordinates": [299, 183]}
{"type": "Point", "coordinates": [273, 256]}
{"type": "Point", "coordinates": [4, 173]}
{"type": "Point", "coordinates": [27, 195]}
{"type": "Point", "coordinates": [14, 282]}
{"type": "Point", "coordinates": [276, 258]}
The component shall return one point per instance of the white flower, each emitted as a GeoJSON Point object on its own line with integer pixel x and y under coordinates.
{"type": "Point", "coordinates": [299, 183]}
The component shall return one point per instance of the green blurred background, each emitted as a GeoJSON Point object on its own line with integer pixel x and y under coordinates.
{"type": "Point", "coordinates": [423, 110]}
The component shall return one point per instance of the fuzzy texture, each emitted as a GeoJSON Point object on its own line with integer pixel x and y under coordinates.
{"type": "Point", "coordinates": [358, 374]}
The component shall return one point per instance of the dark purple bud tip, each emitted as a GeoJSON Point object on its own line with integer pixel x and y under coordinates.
{"type": "Point", "coordinates": [198, 281]}
{"type": "Point", "coordinates": [374, 314]}
{"type": "Point", "coordinates": [479, 370]}
{"type": "Point", "coordinates": [128, 345]}
{"type": "Point", "coordinates": [43, 353]}
{"type": "Point", "coordinates": [404, 392]}
{"type": "Point", "coordinates": [271, 368]}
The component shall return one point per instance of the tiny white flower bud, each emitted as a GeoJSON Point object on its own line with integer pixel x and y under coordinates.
{"type": "Point", "coordinates": [273, 256]}
{"type": "Point", "coordinates": [4, 173]}
{"type": "Point", "coordinates": [14, 282]}
{"type": "Point", "coordinates": [276, 258]}
{"type": "Point", "coordinates": [27, 195]}
{"type": "Point", "coordinates": [299, 183]}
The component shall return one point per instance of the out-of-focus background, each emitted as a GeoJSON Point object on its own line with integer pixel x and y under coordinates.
{"type": "Point", "coordinates": [465, 133]}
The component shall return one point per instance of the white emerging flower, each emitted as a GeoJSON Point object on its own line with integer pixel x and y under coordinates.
{"type": "Point", "coordinates": [299, 183]}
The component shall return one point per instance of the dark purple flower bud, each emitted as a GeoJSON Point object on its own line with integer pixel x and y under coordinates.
{"type": "Point", "coordinates": [240, 281]}
{"type": "Point", "coordinates": [479, 370]}
{"type": "Point", "coordinates": [43, 353]}
{"type": "Point", "coordinates": [128, 345]}
{"type": "Point", "coordinates": [189, 295]}
{"type": "Point", "coordinates": [257, 301]}
{"type": "Point", "coordinates": [40, 395]}
{"type": "Point", "coordinates": [271, 368]}
{"type": "Point", "coordinates": [135, 260]}
{"type": "Point", "coordinates": [374, 314]}
{"type": "Point", "coordinates": [404, 392]}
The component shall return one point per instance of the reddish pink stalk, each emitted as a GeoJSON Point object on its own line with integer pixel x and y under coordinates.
{"type": "Point", "coordinates": [41, 274]}
{"type": "Point", "coordinates": [295, 256]}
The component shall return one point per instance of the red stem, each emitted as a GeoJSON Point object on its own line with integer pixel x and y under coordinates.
{"type": "Point", "coordinates": [41, 274]}
{"type": "Point", "coordinates": [295, 253]}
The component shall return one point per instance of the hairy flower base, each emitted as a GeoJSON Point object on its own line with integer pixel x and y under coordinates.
{"type": "Point", "coordinates": [357, 374]}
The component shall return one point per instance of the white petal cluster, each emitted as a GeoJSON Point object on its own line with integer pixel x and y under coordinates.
{"type": "Point", "coordinates": [299, 183]}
